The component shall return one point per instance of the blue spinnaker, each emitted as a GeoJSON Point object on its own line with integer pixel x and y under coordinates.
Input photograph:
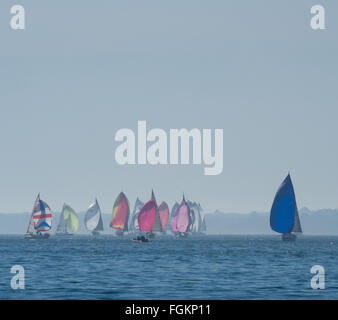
{"type": "Point", "coordinates": [282, 215]}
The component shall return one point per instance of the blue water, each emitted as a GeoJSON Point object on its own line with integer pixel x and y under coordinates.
{"type": "Point", "coordinates": [208, 267]}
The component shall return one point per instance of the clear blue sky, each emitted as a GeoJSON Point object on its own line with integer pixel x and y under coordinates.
{"type": "Point", "coordinates": [81, 71]}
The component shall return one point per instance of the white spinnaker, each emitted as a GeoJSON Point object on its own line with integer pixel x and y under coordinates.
{"type": "Point", "coordinates": [92, 216]}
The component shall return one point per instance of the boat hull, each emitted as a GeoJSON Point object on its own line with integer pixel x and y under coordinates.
{"type": "Point", "coordinates": [37, 236]}
{"type": "Point", "coordinates": [61, 234]}
{"type": "Point", "coordinates": [181, 234]}
{"type": "Point", "coordinates": [151, 235]}
{"type": "Point", "coordinates": [141, 239]}
{"type": "Point", "coordinates": [289, 237]}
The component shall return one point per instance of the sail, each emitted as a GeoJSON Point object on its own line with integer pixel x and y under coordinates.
{"type": "Point", "coordinates": [120, 213]}
{"type": "Point", "coordinates": [192, 215]}
{"type": "Point", "coordinates": [41, 219]}
{"type": "Point", "coordinates": [183, 217]}
{"type": "Point", "coordinates": [147, 216]}
{"type": "Point", "coordinates": [173, 216]}
{"type": "Point", "coordinates": [174, 208]}
{"type": "Point", "coordinates": [70, 218]}
{"type": "Point", "coordinates": [93, 218]}
{"type": "Point", "coordinates": [198, 218]}
{"type": "Point", "coordinates": [193, 220]}
{"type": "Point", "coordinates": [174, 220]}
{"type": "Point", "coordinates": [62, 224]}
{"type": "Point", "coordinates": [195, 215]}
{"type": "Point", "coordinates": [134, 218]}
{"type": "Point", "coordinates": [284, 208]}
{"type": "Point", "coordinates": [31, 228]}
{"type": "Point", "coordinates": [163, 210]}
{"type": "Point", "coordinates": [44, 216]}
{"type": "Point", "coordinates": [157, 225]}
{"type": "Point", "coordinates": [296, 226]}
{"type": "Point", "coordinates": [203, 225]}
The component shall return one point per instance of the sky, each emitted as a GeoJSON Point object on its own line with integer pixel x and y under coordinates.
{"type": "Point", "coordinates": [81, 71]}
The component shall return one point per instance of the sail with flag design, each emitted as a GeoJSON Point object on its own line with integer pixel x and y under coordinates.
{"type": "Point", "coordinates": [93, 218]}
{"type": "Point", "coordinates": [40, 221]}
{"type": "Point", "coordinates": [120, 217]}
{"type": "Point", "coordinates": [284, 217]}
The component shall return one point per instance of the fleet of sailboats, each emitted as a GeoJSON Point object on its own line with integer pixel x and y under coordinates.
{"type": "Point", "coordinates": [149, 218]}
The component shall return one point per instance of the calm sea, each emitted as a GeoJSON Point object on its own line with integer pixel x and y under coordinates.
{"type": "Point", "coordinates": [207, 267]}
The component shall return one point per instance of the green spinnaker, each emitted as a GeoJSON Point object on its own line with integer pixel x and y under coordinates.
{"type": "Point", "coordinates": [71, 218]}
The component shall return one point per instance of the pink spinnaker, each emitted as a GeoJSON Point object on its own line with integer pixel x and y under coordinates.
{"type": "Point", "coordinates": [183, 217]}
{"type": "Point", "coordinates": [163, 210]}
{"type": "Point", "coordinates": [147, 216]}
{"type": "Point", "coordinates": [174, 221]}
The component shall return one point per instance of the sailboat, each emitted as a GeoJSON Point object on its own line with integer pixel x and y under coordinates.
{"type": "Point", "coordinates": [133, 226]}
{"type": "Point", "coordinates": [68, 221]}
{"type": "Point", "coordinates": [93, 219]}
{"type": "Point", "coordinates": [203, 228]}
{"type": "Point", "coordinates": [173, 211]}
{"type": "Point", "coordinates": [120, 216]}
{"type": "Point", "coordinates": [163, 211]}
{"type": "Point", "coordinates": [174, 218]}
{"type": "Point", "coordinates": [284, 217]}
{"type": "Point", "coordinates": [203, 225]}
{"type": "Point", "coordinates": [157, 224]}
{"type": "Point", "coordinates": [147, 216]}
{"type": "Point", "coordinates": [40, 221]}
{"type": "Point", "coordinates": [182, 220]}
{"type": "Point", "coordinates": [196, 220]}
